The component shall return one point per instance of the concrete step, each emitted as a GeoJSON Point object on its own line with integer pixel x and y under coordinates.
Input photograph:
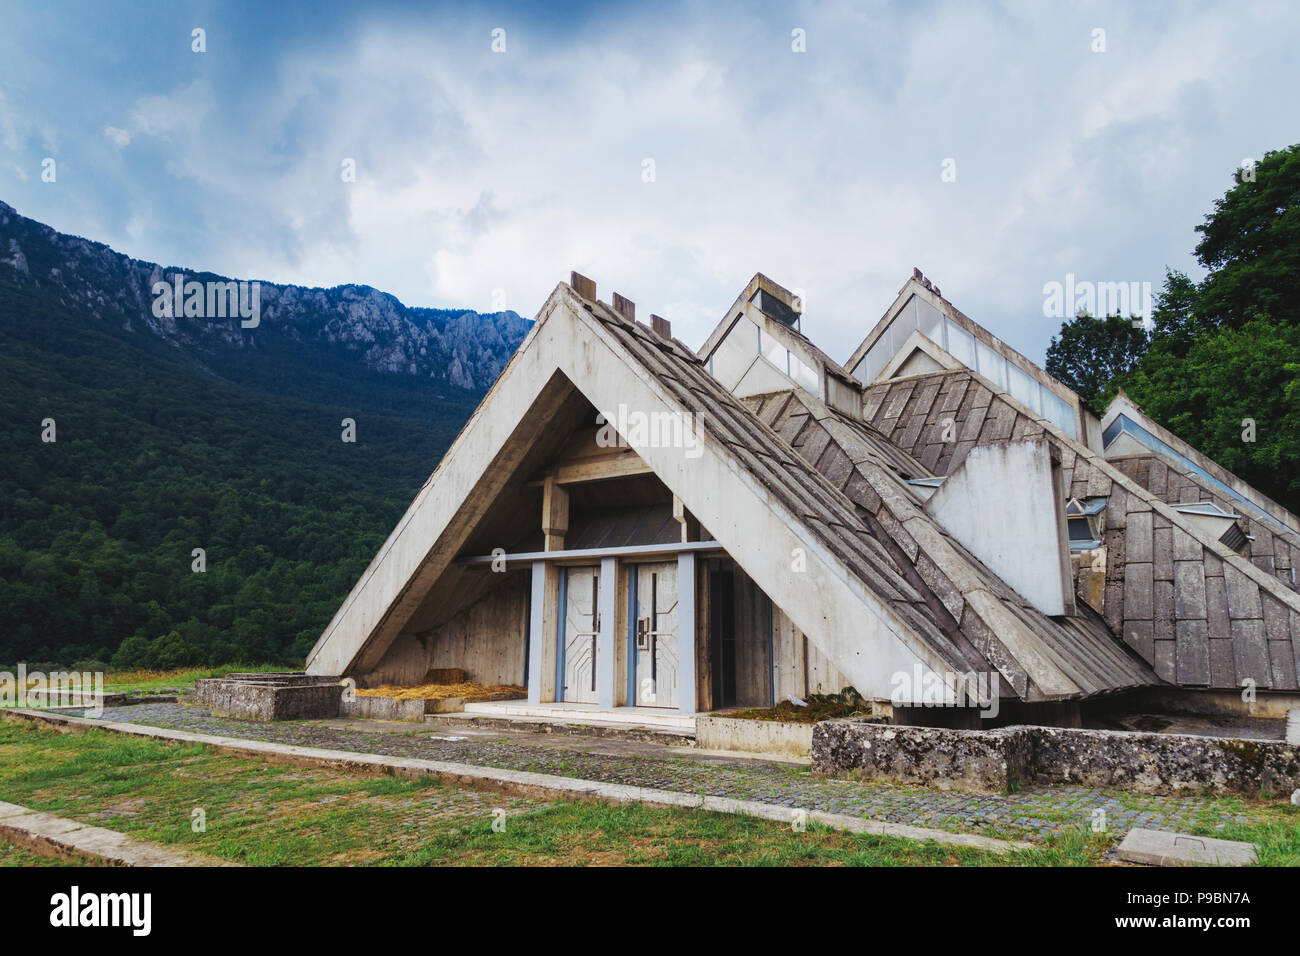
{"type": "Point", "coordinates": [1163, 848]}
{"type": "Point", "coordinates": [643, 717]}
{"type": "Point", "coordinates": [545, 725]}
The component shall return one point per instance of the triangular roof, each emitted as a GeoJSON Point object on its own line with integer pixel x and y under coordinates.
{"type": "Point", "coordinates": [758, 499]}
{"type": "Point", "coordinates": [883, 586]}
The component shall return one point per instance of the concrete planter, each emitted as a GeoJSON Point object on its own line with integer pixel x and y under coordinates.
{"type": "Point", "coordinates": [776, 737]}
{"type": "Point", "coordinates": [270, 696]}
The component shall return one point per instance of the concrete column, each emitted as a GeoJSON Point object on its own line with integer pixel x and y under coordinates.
{"type": "Point", "coordinates": [542, 623]}
{"type": "Point", "coordinates": [605, 639]}
{"type": "Point", "coordinates": [686, 632]}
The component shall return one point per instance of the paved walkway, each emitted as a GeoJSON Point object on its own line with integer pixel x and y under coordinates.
{"type": "Point", "coordinates": [1029, 813]}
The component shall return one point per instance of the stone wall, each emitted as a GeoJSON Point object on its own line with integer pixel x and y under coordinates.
{"type": "Point", "coordinates": [270, 696]}
{"type": "Point", "coordinates": [995, 760]}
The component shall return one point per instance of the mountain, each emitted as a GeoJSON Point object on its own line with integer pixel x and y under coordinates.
{"type": "Point", "coordinates": [173, 433]}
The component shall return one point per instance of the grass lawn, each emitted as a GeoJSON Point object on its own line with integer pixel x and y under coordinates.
{"type": "Point", "coordinates": [267, 814]}
{"type": "Point", "coordinates": [11, 855]}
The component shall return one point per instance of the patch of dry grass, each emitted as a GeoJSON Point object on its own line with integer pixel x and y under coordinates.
{"type": "Point", "coordinates": [469, 690]}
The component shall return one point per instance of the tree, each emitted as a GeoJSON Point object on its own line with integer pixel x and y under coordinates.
{"type": "Point", "coordinates": [1251, 245]}
{"type": "Point", "coordinates": [132, 655]}
{"type": "Point", "coordinates": [1236, 397]}
{"type": "Point", "coordinates": [170, 652]}
{"type": "Point", "coordinates": [1093, 356]}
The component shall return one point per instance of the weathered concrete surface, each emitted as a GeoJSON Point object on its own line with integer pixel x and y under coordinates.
{"type": "Point", "coordinates": [1293, 726]}
{"type": "Point", "coordinates": [780, 737]}
{"type": "Point", "coordinates": [992, 760]}
{"type": "Point", "coordinates": [1165, 763]}
{"type": "Point", "coordinates": [49, 835]}
{"type": "Point", "coordinates": [382, 708]}
{"type": "Point", "coordinates": [1162, 848]}
{"type": "Point", "coordinates": [1001, 503]}
{"type": "Point", "coordinates": [979, 761]}
{"type": "Point", "coordinates": [270, 696]}
{"type": "Point", "coordinates": [513, 782]}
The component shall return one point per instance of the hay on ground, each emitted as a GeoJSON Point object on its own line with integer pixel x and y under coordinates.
{"type": "Point", "coordinates": [470, 690]}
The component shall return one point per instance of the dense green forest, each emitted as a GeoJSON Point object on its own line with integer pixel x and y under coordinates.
{"type": "Point", "coordinates": [1220, 365]}
{"type": "Point", "coordinates": [156, 455]}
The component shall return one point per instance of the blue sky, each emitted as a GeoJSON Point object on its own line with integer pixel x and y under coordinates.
{"type": "Point", "coordinates": [483, 177]}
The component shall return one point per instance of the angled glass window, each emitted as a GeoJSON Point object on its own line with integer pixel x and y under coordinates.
{"type": "Point", "coordinates": [775, 352]}
{"type": "Point", "coordinates": [804, 374]}
{"type": "Point", "coordinates": [735, 353]}
{"type": "Point", "coordinates": [930, 321]}
{"type": "Point", "coordinates": [991, 365]}
{"type": "Point", "coordinates": [961, 344]}
{"type": "Point", "coordinates": [875, 360]}
{"type": "Point", "coordinates": [904, 324]}
{"type": "Point", "coordinates": [1023, 388]}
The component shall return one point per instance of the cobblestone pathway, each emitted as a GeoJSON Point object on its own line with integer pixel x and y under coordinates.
{"type": "Point", "coordinates": [1028, 813]}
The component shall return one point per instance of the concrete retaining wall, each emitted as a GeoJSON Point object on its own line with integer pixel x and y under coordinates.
{"type": "Point", "coordinates": [994, 760]}
{"type": "Point", "coordinates": [778, 737]}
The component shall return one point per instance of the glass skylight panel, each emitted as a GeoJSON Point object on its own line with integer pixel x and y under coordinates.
{"type": "Point", "coordinates": [904, 325]}
{"type": "Point", "coordinates": [961, 344]}
{"type": "Point", "coordinates": [1023, 388]}
{"type": "Point", "coordinates": [775, 352]}
{"type": "Point", "coordinates": [877, 358]}
{"type": "Point", "coordinates": [735, 353]}
{"type": "Point", "coordinates": [991, 365]}
{"type": "Point", "coordinates": [805, 375]}
{"type": "Point", "coordinates": [929, 320]}
{"type": "Point", "coordinates": [1058, 411]}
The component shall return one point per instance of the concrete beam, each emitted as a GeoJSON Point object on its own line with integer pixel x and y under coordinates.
{"type": "Point", "coordinates": [543, 627]}
{"type": "Point", "coordinates": [606, 655]}
{"type": "Point", "coordinates": [686, 689]}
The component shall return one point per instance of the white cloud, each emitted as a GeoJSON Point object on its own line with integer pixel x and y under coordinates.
{"type": "Point", "coordinates": [480, 171]}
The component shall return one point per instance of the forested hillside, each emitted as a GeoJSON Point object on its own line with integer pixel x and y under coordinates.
{"type": "Point", "coordinates": [164, 444]}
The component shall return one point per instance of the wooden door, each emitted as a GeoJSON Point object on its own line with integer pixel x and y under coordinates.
{"type": "Point", "coordinates": [655, 636]}
{"type": "Point", "coordinates": [581, 627]}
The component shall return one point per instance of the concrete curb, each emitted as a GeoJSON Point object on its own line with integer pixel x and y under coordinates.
{"type": "Point", "coordinates": [58, 837]}
{"type": "Point", "coordinates": [515, 782]}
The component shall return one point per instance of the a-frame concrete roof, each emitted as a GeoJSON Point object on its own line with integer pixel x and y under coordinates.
{"type": "Point", "coordinates": [850, 577]}
{"type": "Point", "coordinates": [758, 499]}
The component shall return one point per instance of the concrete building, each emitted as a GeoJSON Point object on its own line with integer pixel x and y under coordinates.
{"type": "Point", "coordinates": [627, 524]}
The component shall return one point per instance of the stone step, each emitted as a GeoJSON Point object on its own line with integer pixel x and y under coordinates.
{"type": "Point", "coordinates": [1165, 848]}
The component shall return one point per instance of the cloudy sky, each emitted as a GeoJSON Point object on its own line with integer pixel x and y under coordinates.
{"type": "Point", "coordinates": [667, 150]}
